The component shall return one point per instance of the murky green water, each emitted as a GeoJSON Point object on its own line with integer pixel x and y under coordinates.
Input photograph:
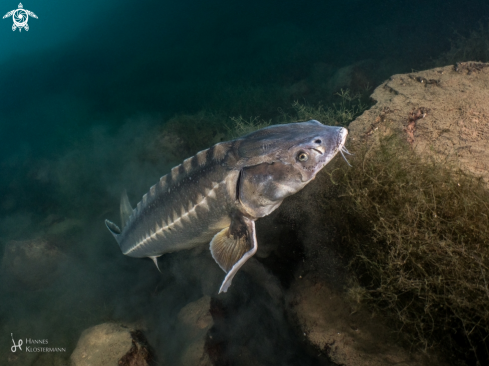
{"type": "Point", "coordinates": [127, 92]}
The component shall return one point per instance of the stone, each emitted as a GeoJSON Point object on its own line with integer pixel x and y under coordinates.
{"type": "Point", "coordinates": [112, 344]}
{"type": "Point", "coordinates": [348, 337]}
{"type": "Point", "coordinates": [443, 113]}
{"type": "Point", "coordinates": [193, 323]}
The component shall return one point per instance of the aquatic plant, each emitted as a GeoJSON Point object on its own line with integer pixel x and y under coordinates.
{"type": "Point", "coordinates": [185, 134]}
{"type": "Point", "coordinates": [346, 109]}
{"type": "Point", "coordinates": [418, 235]}
{"type": "Point", "coordinates": [471, 47]}
{"type": "Point", "coordinates": [241, 126]}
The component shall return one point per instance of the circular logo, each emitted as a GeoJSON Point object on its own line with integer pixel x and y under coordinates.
{"type": "Point", "coordinates": [20, 18]}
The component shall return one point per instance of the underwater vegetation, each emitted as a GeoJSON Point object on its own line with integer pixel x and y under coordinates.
{"type": "Point", "coordinates": [185, 134]}
{"type": "Point", "coordinates": [340, 112]}
{"type": "Point", "coordinates": [473, 46]}
{"type": "Point", "coordinates": [417, 235]}
{"type": "Point", "coordinates": [121, 105]}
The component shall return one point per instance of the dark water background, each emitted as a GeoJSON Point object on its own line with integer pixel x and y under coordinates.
{"type": "Point", "coordinates": [89, 85]}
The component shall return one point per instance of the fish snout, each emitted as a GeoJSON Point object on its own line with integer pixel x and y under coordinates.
{"type": "Point", "coordinates": [343, 133]}
{"type": "Point", "coordinates": [332, 142]}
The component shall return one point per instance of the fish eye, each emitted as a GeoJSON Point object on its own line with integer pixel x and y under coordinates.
{"type": "Point", "coordinates": [318, 141]}
{"type": "Point", "coordinates": [302, 156]}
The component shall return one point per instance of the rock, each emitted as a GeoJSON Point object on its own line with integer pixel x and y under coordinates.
{"type": "Point", "coordinates": [442, 112]}
{"type": "Point", "coordinates": [194, 322]}
{"type": "Point", "coordinates": [349, 338]}
{"type": "Point", "coordinates": [31, 264]}
{"type": "Point", "coordinates": [112, 344]}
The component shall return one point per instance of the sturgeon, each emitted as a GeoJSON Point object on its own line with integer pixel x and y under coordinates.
{"type": "Point", "coordinates": [216, 195]}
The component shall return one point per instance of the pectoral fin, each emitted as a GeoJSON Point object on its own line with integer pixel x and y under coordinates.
{"type": "Point", "coordinates": [233, 246]}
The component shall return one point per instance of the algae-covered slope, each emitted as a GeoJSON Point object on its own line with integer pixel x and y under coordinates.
{"type": "Point", "coordinates": [417, 208]}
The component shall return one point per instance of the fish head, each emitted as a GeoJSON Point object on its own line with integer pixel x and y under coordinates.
{"type": "Point", "coordinates": [311, 149]}
{"type": "Point", "coordinates": [283, 159]}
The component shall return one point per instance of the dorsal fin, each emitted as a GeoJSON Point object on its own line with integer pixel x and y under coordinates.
{"type": "Point", "coordinates": [126, 209]}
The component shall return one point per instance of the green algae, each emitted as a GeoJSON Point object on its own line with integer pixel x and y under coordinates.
{"type": "Point", "coordinates": [418, 237]}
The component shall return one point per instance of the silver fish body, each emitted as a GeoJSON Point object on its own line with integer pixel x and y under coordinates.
{"type": "Point", "coordinates": [216, 195]}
